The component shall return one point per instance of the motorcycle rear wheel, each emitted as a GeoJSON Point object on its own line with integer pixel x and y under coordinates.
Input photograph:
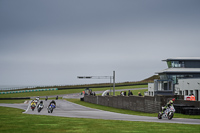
{"type": "Point", "coordinates": [159, 115]}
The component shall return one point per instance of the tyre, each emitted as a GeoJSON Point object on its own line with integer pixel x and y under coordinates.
{"type": "Point", "coordinates": [39, 110]}
{"type": "Point", "coordinates": [159, 115]}
{"type": "Point", "coordinates": [51, 110]}
{"type": "Point", "coordinates": [170, 115]}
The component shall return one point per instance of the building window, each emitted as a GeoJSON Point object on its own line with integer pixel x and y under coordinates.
{"type": "Point", "coordinates": [174, 79]}
{"type": "Point", "coordinates": [163, 77]}
{"type": "Point", "coordinates": [186, 92]}
{"type": "Point", "coordinates": [174, 64]}
{"type": "Point", "coordinates": [182, 63]}
{"type": "Point", "coordinates": [169, 64]}
{"type": "Point", "coordinates": [191, 92]}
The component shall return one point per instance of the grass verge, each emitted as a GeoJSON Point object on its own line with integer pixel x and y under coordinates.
{"type": "Point", "coordinates": [12, 120]}
{"type": "Point", "coordinates": [14, 101]}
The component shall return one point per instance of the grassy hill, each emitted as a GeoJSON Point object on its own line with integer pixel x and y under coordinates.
{"type": "Point", "coordinates": [151, 79]}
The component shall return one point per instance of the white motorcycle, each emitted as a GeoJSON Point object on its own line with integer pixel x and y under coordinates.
{"type": "Point", "coordinates": [40, 107]}
{"type": "Point", "coordinates": [168, 113]}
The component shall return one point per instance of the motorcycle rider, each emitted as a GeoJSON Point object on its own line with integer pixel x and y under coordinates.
{"type": "Point", "coordinates": [53, 103]}
{"type": "Point", "coordinates": [37, 98]}
{"type": "Point", "coordinates": [46, 98]}
{"type": "Point", "coordinates": [170, 103]}
{"type": "Point", "coordinates": [41, 104]}
{"type": "Point", "coordinates": [33, 103]}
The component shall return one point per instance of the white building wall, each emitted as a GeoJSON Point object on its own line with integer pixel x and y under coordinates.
{"type": "Point", "coordinates": [187, 87]}
{"type": "Point", "coordinates": [150, 89]}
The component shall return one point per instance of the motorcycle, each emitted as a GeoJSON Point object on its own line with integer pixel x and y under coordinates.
{"type": "Point", "coordinates": [40, 107]}
{"type": "Point", "coordinates": [36, 101]}
{"type": "Point", "coordinates": [168, 113]}
{"type": "Point", "coordinates": [32, 107]}
{"type": "Point", "coordinates": [46, 98]}
{"type": "Point", "coordinates": [51, 107]}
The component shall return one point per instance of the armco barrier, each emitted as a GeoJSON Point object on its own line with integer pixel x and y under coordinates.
{"type": "Point", "coordinates": [23, 91]}
{"type": "Point", "coordinates": [15, 98]}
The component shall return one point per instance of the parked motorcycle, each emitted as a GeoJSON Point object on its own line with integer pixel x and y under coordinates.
{"type": "Point", "coordinates": [168, 113]}
{"type": "Point", "coordinates": [51, 107]}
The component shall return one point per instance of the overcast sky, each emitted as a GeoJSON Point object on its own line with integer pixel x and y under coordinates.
{"type": "Point", "coordinates": [48, 42]}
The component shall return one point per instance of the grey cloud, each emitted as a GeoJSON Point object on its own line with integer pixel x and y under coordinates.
{"type": "Point", "coordinates": [53, 42]}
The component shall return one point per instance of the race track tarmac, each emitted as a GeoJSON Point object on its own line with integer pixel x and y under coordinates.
{"type": "Point", "coordinates": [69, 109]}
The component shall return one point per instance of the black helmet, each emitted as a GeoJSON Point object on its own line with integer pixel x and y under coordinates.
{"type": "Point", "coordinates": [41, 101]}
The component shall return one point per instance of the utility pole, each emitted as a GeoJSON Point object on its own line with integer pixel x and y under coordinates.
{"type": "Point", "coordinates": [113, 83]}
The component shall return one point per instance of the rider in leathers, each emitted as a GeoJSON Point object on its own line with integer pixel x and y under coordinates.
{"type": "Point", "coordinates": [41, 103]}
{"type": "Point", "coordinates": [52, 102]}
{"type": "Point", "coordinates": [33, 103]}
{"type": "Point", "coordinates": [170, 103]}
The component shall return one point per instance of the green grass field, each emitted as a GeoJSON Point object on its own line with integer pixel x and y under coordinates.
{"type": "Point", "coordinates": [14, 121]}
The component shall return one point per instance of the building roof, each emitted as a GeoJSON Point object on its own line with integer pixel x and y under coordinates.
{"type": "Point", "coordinates": [180, 70]}
{"type": "Point", "coordinates": [182, 58]}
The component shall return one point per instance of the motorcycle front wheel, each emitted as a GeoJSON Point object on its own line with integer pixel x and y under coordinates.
{"type": "Point", "coordinates": [170, 115]}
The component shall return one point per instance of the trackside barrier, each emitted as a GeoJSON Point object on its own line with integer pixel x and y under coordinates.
{"type": "Point", "coordinates": [24, 91]}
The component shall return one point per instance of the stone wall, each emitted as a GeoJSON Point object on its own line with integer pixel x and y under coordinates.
{"type": "Point", "coordinates": [149, 104]}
